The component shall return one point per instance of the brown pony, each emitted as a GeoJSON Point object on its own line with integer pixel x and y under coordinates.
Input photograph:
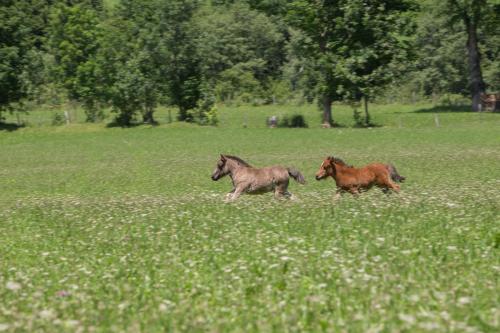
{"type": "Point", "coordinates": [247, 179]}
{"type": "Point", "coordinates": [353, 180]}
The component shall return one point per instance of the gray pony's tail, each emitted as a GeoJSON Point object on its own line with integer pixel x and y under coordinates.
{"type": "Point", "coordinates": [395, 176]}
{"type": "Point", "coordinates": [295, 174]}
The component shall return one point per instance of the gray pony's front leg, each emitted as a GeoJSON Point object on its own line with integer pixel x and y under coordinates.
{"type": "Point", "coordinates": [236, 193]}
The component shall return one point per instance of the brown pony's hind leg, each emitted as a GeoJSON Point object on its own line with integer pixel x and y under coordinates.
{"type": "Point", "coordinates": [387, 184]}
{"type": "Point", "coordinates": [354, 191]}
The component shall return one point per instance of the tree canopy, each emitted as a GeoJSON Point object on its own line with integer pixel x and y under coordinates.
{"type": "Point", "coordinates": [134, 55]}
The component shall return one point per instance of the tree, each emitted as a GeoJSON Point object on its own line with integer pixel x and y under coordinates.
{"type": "Point", "coordinates": [183, 72]}
{"type": "Point", "coordinates": [471, 13]}
{"type": "Point", "coordinates": [439, 66]}
{"type": "Point", "coordinates": [128, 62]}
{"type": "Point", "coordinates": [315, 46]}
{"type": "Point", "coordinates": [147, 57]}
{"type": "Point", "coordinates": [380, 35]}
{"type": "Point", "coordinates": [242, 49]}
{"type": "Point", "coordinates": [348, 44]}
{"type": "Point", "coordinates": [21, 37]}
{"type": "Point", "coordinates": [74, 41]}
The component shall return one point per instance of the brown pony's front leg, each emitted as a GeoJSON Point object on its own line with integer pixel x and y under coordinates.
{"type": "Point", "coordinates": [338, 195]}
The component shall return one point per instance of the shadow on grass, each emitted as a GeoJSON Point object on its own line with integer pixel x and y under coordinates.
{"type": "Point", "coordinates": [369, 125]}
{"type": "Point", "coordinates": [445, 109]}
{"type": "Point", "coordinates": [335, 125]}
{"type": "Point", "coordinates": [115, 124]}
{"type": "Point", "coordinates": [9, 127]}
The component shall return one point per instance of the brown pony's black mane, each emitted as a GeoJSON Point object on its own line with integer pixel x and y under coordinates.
{"type": "Point", "coordinates": [237, 159]}
{"type": "Point", "coordinates": [340, 161]}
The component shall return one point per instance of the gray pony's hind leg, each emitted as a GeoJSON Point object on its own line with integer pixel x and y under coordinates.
{"type": "Point", "coordinates": [281, 191]}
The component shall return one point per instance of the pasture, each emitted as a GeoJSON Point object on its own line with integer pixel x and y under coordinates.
{"type": "Point", "coordinates": [112, 230]}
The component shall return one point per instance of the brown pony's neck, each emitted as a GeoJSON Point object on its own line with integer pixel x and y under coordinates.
{"type": "Point", "coordinates": [339, 166]}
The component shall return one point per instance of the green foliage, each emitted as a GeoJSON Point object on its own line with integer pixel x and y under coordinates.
{"type": "Point", "coordinates": [440, 64]}
{"type": "Point", "coordinates": [238, 83]}
{"type": "Point", "coordinates": [183, 72]}
{"type": "Point", "coordinates": [347, 46]}
{"type": "Point", "coordinates": [136, 55]}
{"type": "Point", "coordinates": [148, 58]}
{"type": "Point", "coordinates": [358, 118]}
{"type": "Point", "coordinates": [74, 40]}
{"type": "Point", "coordinates": [57, 119]}
{"type": "Point", "coordinates": [206, 113]}
{"type": "Point", "coordinates": [21, 37]}
{"type": "Point", "coordinates": [242, 51]}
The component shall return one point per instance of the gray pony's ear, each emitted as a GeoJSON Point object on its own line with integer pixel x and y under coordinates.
{"type": "Point", "coordinates": [222, 157]}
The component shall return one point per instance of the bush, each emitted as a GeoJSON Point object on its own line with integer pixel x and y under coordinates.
{"type": "Point", "coordinates": [296, 121]}
{"type": "Point", "coordinates": [206, 112]}
{"type": "Point", "coordinates": [453, 100]}
{"type": "Point", "coordinates": [57, 119]}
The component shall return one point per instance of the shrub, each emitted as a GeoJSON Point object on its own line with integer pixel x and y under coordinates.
{"type": "Point", "coordinates": [296, 121]}
{"type": "Point", "coordinates": [57, 119]}
{"type": "Point", "coordinates": [206, 112]}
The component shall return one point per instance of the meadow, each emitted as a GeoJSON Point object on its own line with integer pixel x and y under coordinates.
{"type": "Point", "coordinates": [122, 229]}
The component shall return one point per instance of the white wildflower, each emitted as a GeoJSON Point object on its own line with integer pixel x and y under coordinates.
{"type": "Point", "coordinates": [71, 323]}
{"type": "Point", "coordinates": [414, 298]}
{"type": "Point", "coordinates": [47, 314]}
{"type": "Point", "coordinates": [11, 285]}
{"type": "Point", "coordinates": [464, 300]}
{"type": "Point", "coordinates": [407, 318]}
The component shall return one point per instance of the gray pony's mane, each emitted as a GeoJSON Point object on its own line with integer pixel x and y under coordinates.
{"type": "Point", "coordinates": [340, 161]}
{"type": "Point", "coordinates": [237, 159]}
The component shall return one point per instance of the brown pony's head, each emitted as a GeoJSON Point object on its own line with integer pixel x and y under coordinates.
{"type": "Point", "coordinates": [326, 169]}
{"type": "Point", "coordinates": [220, 169]}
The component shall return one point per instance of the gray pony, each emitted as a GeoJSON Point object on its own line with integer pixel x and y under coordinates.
{"type": "Point", "coordinates": [247, 179]}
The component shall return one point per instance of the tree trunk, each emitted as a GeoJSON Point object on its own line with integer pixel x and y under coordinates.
{"type": "Point", "coordinates": [182, 116]}
{"type": "Point", "coordinates": [367, 115]}
{"type": "Point", "coordinates": [147, 116]}
{"type": "Point", "coordinates": [327, 111]}
{"type": "Point", "coordinates": [475, 75]}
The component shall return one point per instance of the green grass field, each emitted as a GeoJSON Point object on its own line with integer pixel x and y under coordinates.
{"type": "Point", "coordinates": [112, 230]}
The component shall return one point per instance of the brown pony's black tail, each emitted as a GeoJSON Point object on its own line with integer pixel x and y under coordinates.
{"type": "Point", "coordinates": [395, 176]}
{"type": "Point", "coordinates": [295, 174]}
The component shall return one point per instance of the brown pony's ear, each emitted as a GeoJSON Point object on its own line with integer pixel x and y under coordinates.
{"type": "Point", "coordinates": [222, 157]}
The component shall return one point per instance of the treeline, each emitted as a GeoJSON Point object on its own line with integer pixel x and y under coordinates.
{"type": "Point", "coordinates": [134, 55]}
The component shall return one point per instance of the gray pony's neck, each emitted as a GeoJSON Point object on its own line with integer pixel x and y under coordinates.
{"type": "Point", "coordinates": [233, 166]}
